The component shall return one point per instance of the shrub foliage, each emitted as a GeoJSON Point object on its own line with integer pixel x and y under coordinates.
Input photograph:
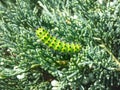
{"type": "Point", "coordinates": [27, 64]}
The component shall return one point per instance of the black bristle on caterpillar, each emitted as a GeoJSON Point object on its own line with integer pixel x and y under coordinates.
{"type": "Point", "coordinates": [56, 44]}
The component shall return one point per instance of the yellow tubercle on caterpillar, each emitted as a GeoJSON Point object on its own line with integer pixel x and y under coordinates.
{"type": "Point", "coordinates": [41, 33]}
{"type": "Point", "coordinates": [56, 44]}
{"type": "Point", "coordinates": [52, 42]}
{"type": "Point", "coordinates": [64, 47]}
{"type": "Point", "coordinates": [77, 47]}
{"type": "Point", "coordinates": [72, 47]}
{"type": "Point", "coordinates": [45, 37]}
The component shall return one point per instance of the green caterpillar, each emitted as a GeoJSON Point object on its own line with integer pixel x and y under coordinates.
{"type": "Point", "coordinates": [56, 44]}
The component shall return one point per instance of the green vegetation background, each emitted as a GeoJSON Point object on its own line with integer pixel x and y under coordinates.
{"type": "Point", "coordinates": [27, 64]}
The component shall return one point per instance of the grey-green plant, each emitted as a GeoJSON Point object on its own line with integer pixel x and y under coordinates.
{"type": "Point", "coordinates": [27, 64]}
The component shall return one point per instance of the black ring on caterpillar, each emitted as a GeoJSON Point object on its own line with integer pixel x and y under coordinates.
{"type": "Point", "coordinates": [56, 44]}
